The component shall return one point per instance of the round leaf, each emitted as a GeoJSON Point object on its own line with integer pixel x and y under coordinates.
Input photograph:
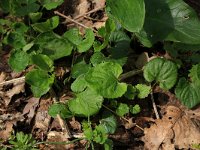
{"type": "Point", "coordinates": [18, 60]}
{"type": "Point", "coordinates": [162, 71]}
{"type": "Point", "coordinates": [103, 79]}
{"type": "Point", "coordinates": [188, 93]}
{"type": "Point", "coordinates": [86, 103]}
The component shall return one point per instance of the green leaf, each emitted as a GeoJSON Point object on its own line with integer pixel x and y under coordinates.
{"type": "Point", "coordinates": [59, 109]}
{"type": "Point", "coordinates": [110, 123]}
{"type": "Point", "coordinates": [86, 103]}
{"type": "Point", "coordinates": [97, 58]}
{"type": "Point", "coordinates": [108, 145]}
{"type": "Point", "coordinates": [188, 93]}
{"type": "Point", "coordinates": [15, 39]}
{"type": "Point", "coordinates": [122, 109]}
{"type": "Point", "coordinates": [53, 45]}
{"type": "Point", "coordinates": [162, 71]}
{"type": "Point", "coordinates": [103, 79]}
{"type": "Point", "coordinates": [131, 92]}
{"type": "Point", "coordinates": [79, 69]}
{"type": "Point", "coordinates": [51, 4]}
{"type": "Point", "coordinates": [35, 16]}
{"type": "Point", "coordinates": [130, 13]}
{"type": "Point", "coordinates": [18, 60]}
{"type": "Point", "coordinates": [169, 20]}
{"type": "Point", "coordinates": [73, 36]}
{"type": "Point", "coordinates": [87, 130]}
{"type": "Point", "coordinates": [43, 62]}
{"type": "Point", "coordinates": [143, 90]}
{"type": "Point", "coordinates": [135, 109]}
{"type": "Point", "coordinates": [195, 74]}
{"type": "Point", "coordinates": [100, 46]}
{"type": "Point", "coordinates": [48, 25]}
{"type": "Point", "coordinates": [119, 36]}
{"type": "Point", "coordinates": [40, 81]}
{"type": "Point", "coordinates": [87, 43]}
{"type": "Point", "coordinates": [79, 84]}
{"type": "Point", "coordinates": [23, 7]}
{"type": "Point", "coordinates": [100, 134]}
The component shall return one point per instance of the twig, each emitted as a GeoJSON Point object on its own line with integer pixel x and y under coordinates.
{"type": "Point", "coordinates": [16, 80]}
{"type": "Point", "coordinates": [72, 20]}
{"type": "Point", "coordinates": [154, 106]}
{"type": "Point", "coordinates": [63, 125]}
{"type": "Point", "coordinates": [129, 74]}
{"type": "Point", "coordinates": [89, 12]}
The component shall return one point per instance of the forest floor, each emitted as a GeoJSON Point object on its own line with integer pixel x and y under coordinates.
{"type": "Point", "coordinates": [173, 126]}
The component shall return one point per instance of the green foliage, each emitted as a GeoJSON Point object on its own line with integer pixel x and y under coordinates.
{"type": "Point", "coordinates": [23, 142]}
{"type": "Point", "coordinates": [48, 25]}
{"type": "Point", "coordinates": [122, 109]}
{"type": "Point", "coordinates": [18, 60]}
{"type": "Point", "coordinates": [54, 45]}
{"type": "Point", "coordinates": [143, 90]}
{"type": "Point", "coordinates": [40, 81]}
{"type": "Point", "coordinates": [109, 122]}
{"type": "Point", "coordinates": [103, 79]}
{"type": "Point", "coordinates": [135, 109]}
{"type": "Point", "coordinates": [162, 71]}
{"type": "Point", "coordinates": [86, 103]}
{"type": "Point", "coordinates": [188, 93]}
{"type": "Point", "coordinates": [59, 109]}
{"type": "Point", "coordinates": [195, 74]}
{"type": "Point", "coordinates": [51, 4]}
{"type": "Point", "coordinates": [127, 11]}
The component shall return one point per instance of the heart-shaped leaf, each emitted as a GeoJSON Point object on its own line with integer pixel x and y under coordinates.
{"type": "Point", "coordinates": [103, 79]}
{"type": "Point", "coordinates": [162, 71]}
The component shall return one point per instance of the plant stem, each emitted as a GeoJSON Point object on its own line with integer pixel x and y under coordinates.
{"type": "Point", "coordinates": [60, 143]}
{"type": "Point", "coordinates": [129, 74]}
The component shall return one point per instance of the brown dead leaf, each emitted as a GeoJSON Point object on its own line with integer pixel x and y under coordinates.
{"type": "Point", "coordinates": [99, 3]}
{"type": "Point", "coordinates": [54, 136]}
{"type": "Point", "coordinates": [82, 7]}
{"type": "Point", "coordinates": [5, 134]}
{"type": "Point", "coordinates": [75, 125]}
{"type": "Point", "coordinates": [2, 76]}
{"type": "Point", "coordinates": [30, 107]}
{"type": "Point", "coordinates": [174, 130]}
{"type": "Point", "coordinates": [42, 118]}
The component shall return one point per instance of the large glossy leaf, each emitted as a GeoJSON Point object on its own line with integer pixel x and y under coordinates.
{"type": "Point", "coordinates": [18, 60]}
{"type": "Point", "coordinates": [171, 20]}
{"type": "Point", "coordinates": [79, 69]}
{"type": "Point", "coordinates": [162, 71]}
{"type": "Point", "coordinates": [109, 122]}
{"type": "Point", "coordinates": [103, 79]}
{"type": "Point", "coordinates": [40, 82]}
{"type": "Point", "coordinates": [53, 45]}
{"type": "Point", "coordinates": [51, 4]}
{"type": "Point", "coordinates": [130, 13]}
{"type": "Point", "coordinates": [188, 93]}
{"type": "Point", "coordinates": [86, 103]}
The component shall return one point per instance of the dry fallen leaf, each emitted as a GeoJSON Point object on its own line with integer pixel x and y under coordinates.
{"type": "Point", "coordinates": [30, 107]}
{"type": "Point", "coordinates": [5, 134]}
{"type": "Point", "coordinates": [174, 130]}
{"type": "Point", "coordinates": [54, 136]}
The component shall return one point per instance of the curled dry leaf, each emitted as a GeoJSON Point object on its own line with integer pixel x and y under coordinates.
{"type": "Point", "coordinates": [174, 130]}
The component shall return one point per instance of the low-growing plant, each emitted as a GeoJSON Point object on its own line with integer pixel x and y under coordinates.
{"type": "Point", "coordinates": [100, 78]}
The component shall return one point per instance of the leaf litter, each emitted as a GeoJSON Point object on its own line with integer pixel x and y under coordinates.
{"type": "Point", "coordinates": [178, 128]}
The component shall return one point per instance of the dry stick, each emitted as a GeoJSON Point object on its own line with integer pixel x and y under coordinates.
{"type": "Point", "coordinates": [89, 12]}
{"type": "Point", "coordinates": [122, 117]}
{"type": "Point", "coordinates": [16, 80]}
{"type": "Point", "coordinates": [63, 125]}
{"type": "Point", "coordinates": [154, 106]}
{"type": "Point", "coordinates": [72, 20]}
